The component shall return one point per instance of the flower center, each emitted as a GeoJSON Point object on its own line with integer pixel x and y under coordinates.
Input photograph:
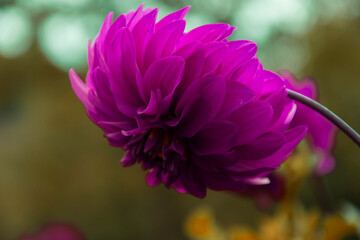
{"type": "Point", "coordinates": [159, 148]}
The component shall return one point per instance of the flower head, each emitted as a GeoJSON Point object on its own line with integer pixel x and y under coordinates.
{"type": "Point", "coordinates": [321, 132]}
{"type": "Point", "coordinates": [196, 110]}
{"type": "Point", "coordinates": [55, 231]}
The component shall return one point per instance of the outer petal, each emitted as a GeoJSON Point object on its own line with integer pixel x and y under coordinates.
{"type": "Point", "coordinates": [117, 139]}
{"type": "Point", "coordinates": [178, 15]}
{"type": "Point", "coordinates": [122, 65]}
{"type": "Point", "coordinates": [210, 87]}
{"type": "Point", "coordinates": [239, 52]}
{"type": "Point", "coordinates": [192, 181]}
{"type": "Point", "coordinates": [133, 16]}
{"type": "Point", "coordinates": [215, 161]}
{"type": "Point", "coordinates": [284, 109]}
{"type": "Point", "coordinates": [272, 82]}
{"type": "Point", "coordinates": [215, 55]}
{"type": "Point", "coordinates": [104, 28]}
{"type": "Point", "coordinates": [142, 32]}
{"type": "Point", "coordinates": [80, 89]}
{"type": "Point", "coordinates": [163, 42]}
{"type": "Point", "coordinates": [164, 74]}
{"type": "Point", "coordinates": [252, 120]}
{"type": "Point", "coordinates": [237, 95]}
{"type": "Point", "coordinates": [250, 74]}
{"type": "Point", "coordinates": [292, 138]}
{"type": "Point", "coordinates": [119, 23]}
{"type": "Point", "coordinates": [263, 146]}
{"type": "Point", "coordinates": [220, 182]}
{"type": "Point", "coordinates": [200, 104]}
{"type": "Point", "coordinates": [217, 137]}
{"type": "Point", "coordinates": [102, 89]}
{"type": "Point", "coordinates": [194, 56]}
{"type": "Point", "coordinates": [206, 33]}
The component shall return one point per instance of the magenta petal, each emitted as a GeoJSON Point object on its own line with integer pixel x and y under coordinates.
{"type": "Point", "coordinates": [237, 95]}
{"type": "Point", "coordinates": [102, 86]}
{"type": "Point", "coordinates": [325, 164]}
{"type": "Point", "coordinates": [250, 176]}
{"type": "Point", "coordinates": [199, 104]}
{"type": "Point", "coordinates": [217, 137]}
{"type": "Point", "coordinates": [178, 15]}
{"type": "Point", "coordinates": [164, 74]}
{"type": "Point", "coordinates": [272, 82]}
{"type": "Point", "coordinates": [90, 55]}
{"type": "Point", "coordinates": [105, 27]}
{"type": "Point", "coordinates": [119, 23]}
{"type": "Point", "coordinates": [220, 182]}
{"type": "Point", "coordinates": [192, 181]}
{"type": "Point", "coordinates": [133, 17]}
{"type": "Point", "coordinates": [263, 146]}
{"type": "Point", "coordinates": [292, 138]}
{"type": "Point", "coordinates": [151, 107]}
{"type": "Point", "coordinates": [214, 58]}
{"type": "Point", "coordinates": [211, 88]}
{"type": "Point", "coordinates": [284, 109]}
{"type": "Point", "coordinates": [239, 52]}
{"type": "Point", "coordinates": [80, 89]}
{"type": "Point", "coordinates": [122, 62]}
{"type": "Point", "coordinates": [252, 120]}
{"type": "Point", "coordinates": [98, 58]}
{"type": "Point", "coordinates": [250, 74]}
{"type": "Point", "coordinates": [163, 42]}
{"type": "Point", "coordinates": [193, 117]}
{"type": "Point", "coordinates": [194, 57]}
{"type": "Point", "coordinates": [153, 178]}
{"type": "Point", "coordinates": [128, 160]}
{"type": "Point", "coordinates": [142, 32]}
{"type": "Point", "coordinates": [117, 139]}
{"type": "Point", "coordinates": [206, 33]}
{"type": "Point", "coordinates": [122, 123]}
{"type": "Point", "coordinates": [215, 161]}
{"type": "Point", "coordinates": [228, 32]}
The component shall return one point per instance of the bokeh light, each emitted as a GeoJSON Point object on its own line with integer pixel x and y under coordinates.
{"type": "Point", "coordinates": [16, 31]}
{"type": "Point", "coordinates": [63, 38]}
{"type": "Point", "coordinates": [39, 5]}
{"type": "Point", "coordinates": [258, 18]}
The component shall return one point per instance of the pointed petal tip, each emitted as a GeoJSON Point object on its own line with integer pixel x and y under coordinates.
{"type": "Point", "coordinates": [109, 17]}
{"type": "Point", "coordinates": [73, 75]}
{"type": "Point", "coordinates": [141, 6]}
{"type": "Point", "coordinates": [258, 181]}
{"type": "Point", "coordinates": [185, 9]}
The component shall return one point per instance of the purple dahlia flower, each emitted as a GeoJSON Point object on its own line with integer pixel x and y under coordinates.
{"type": "Point", "coordinates": [321, 132]}
{"type": "Point", "coordinates": [196, 110]}
{"type": "Point", "coordinates": [55, 231]}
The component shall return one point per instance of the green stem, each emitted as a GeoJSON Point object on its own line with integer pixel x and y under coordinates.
{"type": "Point", "coordinates": [341, 124]}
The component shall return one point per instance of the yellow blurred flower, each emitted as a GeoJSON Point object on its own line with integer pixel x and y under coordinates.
{"type": "Point", "coordinates": [291, 221]}
{"type": "Point", "coordinates": [299, 225]}
{"type": "Point", "coordinates": [201, 225]}
{"type": "Point", "coordinates": [336, 227]}
{"type": "Point", "coordinates": [242, 233]}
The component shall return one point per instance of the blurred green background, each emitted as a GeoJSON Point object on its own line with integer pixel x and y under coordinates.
{"type": "Point", "coordinates": [56, 166]}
